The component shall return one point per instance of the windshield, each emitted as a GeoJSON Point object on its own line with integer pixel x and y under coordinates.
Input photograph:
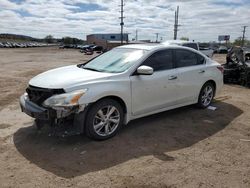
{"type": "Point", "coordinates": [115, 61]}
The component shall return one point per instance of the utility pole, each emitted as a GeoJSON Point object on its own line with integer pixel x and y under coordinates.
{"type": "Point", "coordinates": [243, 37]}
{"type": "Point", "coordinates": [157, 35]}
{"type": "Point", "coordinates": [176, 23]}
{"type": "Point", "coordinates": [136, 35]}
{"type": "Point", "coordinates": [122, 23]}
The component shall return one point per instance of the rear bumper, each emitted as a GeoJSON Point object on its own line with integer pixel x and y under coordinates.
{"type": "Point", "coordinates": [219, 85]}
{"type": "Point", "coordinates": [32, 109]}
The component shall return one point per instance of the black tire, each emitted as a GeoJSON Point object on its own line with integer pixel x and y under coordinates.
{"type": "Point", "coordinates": [38, 124]}
{"type": "Point", "coordinates": [92, 118]}
{"type": "Point", "coordinates": [201, 103]}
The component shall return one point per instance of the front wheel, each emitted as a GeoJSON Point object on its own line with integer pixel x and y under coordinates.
{"type": "Point", "coordinates": [104, 119]}
{"type": "Point", "coordinates": [206, 95]}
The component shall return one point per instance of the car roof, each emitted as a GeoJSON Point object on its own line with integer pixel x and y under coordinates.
{"type": "Point", "coordinates": [153, 47]}
{"type": "Point", "coordinates": [177, 42]}
{"type": "Point", "coordinates": [141, 46]}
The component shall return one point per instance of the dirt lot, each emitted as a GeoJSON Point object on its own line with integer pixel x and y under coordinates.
{"type": "Point", "coordinates": [186, 147]}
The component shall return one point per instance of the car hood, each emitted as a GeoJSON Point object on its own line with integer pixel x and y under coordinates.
{"type": "Point", "coordinates": [65, 77]}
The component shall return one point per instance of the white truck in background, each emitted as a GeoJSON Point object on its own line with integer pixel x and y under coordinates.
{"type": "Point", "coordinates": [208, 52]}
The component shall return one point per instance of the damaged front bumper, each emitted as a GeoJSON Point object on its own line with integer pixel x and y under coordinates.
{"type": "Point", "coordinates": [43, 113]}
{"type": "Point", "coordinates": [34, 110]}
{"type": "Point", "coordinates": [56, 116]}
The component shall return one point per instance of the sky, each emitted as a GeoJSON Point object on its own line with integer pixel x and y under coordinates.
{"type": "Point", "coordinates": [200, 20]}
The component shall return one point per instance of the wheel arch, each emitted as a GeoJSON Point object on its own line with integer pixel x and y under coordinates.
{"type": "Point", "coordinates": [212, 82]}
{"type": "Point", "coordinates": [198, 99]}
{"type": "Point", "coordinates": [116, 98]}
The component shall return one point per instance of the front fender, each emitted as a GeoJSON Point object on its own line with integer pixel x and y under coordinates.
{"type": "Point", "coordinates": [99, 90]}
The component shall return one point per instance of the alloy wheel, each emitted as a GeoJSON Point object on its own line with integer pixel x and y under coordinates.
{"type": "Point", "coordinates": [207, 95]}
{"type": "Point", "coordinates": [106, 120]}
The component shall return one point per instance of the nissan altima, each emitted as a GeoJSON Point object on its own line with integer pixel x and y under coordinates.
{"type": "Point", "coordinates": [123, 84]}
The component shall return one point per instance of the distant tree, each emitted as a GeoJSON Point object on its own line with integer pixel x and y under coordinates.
{"type": "Point", "coordinates": [247, 42]}
{"type": "Point", "coordinates": [49, 39]}
{"type": "Point", "coordinates": [238, 42]}
{"type": "Point", "coordinates": [75, 41]}
{"type": "Point", "coordinates": [67, 40]}
{"type": "Point", "coordinates": [184, 38]}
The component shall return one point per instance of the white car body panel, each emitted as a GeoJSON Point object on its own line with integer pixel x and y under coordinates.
{"type": "Point", "coordinates": [150, 93]}
{"type": "Point", "coordinates": [66, 76]}
{"type": "Point", "coordinates": [142, 94]}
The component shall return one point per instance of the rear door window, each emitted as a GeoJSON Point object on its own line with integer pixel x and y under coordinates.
{"type": "Point", "coordinates": [185, 58]}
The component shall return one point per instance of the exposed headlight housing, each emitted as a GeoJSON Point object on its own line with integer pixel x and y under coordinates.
{"type": "Point", "coordinates": [65, 100]}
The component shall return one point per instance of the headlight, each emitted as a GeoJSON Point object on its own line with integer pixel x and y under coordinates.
{"type": "Point", "coordinates": [65, 100]}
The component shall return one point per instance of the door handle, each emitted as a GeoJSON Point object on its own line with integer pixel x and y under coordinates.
{"type": "Point", "coordinates": [172, 77]}
{"type": "Point", "coordinates": [202, 71]}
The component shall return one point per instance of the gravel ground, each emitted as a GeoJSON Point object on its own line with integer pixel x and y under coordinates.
{"type": "Point", "coordinates": [186, 147]}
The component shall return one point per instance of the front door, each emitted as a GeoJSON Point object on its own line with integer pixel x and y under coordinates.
{"type": "Point", "coordinates": [156, 91]}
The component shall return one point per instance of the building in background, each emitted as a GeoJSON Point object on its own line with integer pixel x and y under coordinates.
{"type": "Point", "coordinates": [107, 41]}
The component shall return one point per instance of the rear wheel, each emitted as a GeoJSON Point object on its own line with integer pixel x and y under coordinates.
{"type": "Point", "coordinates": [206, 95]}
{"type": "Point", "coordinates": [104, 119]}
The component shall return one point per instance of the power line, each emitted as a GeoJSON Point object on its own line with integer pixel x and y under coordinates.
{"type": "Point", "coordinates": [243, 37]}
{"type": "Point", "coordinates": [122, 23]}
{"type": "Point", "coordinates": [136, 35]}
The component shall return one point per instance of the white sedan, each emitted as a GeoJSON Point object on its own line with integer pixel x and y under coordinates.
{"type": "Point", "coordinates": [120, 85]}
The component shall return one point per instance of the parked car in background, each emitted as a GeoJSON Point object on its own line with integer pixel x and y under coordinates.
{"type": "Point", "coordinates": [123, 84]}
{"type": "Point", "coordinates": [65, 46]}
{"type": "Point", "coordinates": [222, 50]}
{"type": "Point", "coordinates": [61, 46]}
{"type": "Point", "coordinates": [6, 45]}
{"type": "Point", "coordinates": [208, 52]}
{"type": "Point", "coordinates": [89, 51]}
{"type": "Point", "coordinates": [86, 48]}
{"type": "Point", "coordinates": [214, 48]}
{"type": "Point", "coordinates": [97, 49]}
{"type": "Point", "coordinates": [79, 46]}
{"type": "Point", "coordinates": [21, 44]}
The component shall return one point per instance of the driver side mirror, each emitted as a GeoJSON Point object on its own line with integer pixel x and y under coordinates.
{"type": "Point", "coordinates": [145, 70]}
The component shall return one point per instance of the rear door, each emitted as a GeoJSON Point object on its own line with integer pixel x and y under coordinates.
{"type": "Point", "coordinates": [153, 92]}
{"type": "Point", "coordinates": [191, 72]}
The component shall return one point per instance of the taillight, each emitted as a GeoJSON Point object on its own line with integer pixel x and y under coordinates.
{"type": "Point", "coordinates": [221, 69]}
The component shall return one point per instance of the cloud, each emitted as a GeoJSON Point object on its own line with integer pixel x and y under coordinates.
{"type": "Point", "coordinates": [5, 4]}
{"type": "Point", "coordinates": [199, 20]}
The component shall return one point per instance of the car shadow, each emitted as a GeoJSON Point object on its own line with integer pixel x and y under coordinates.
{"type": "Point", "coordinates": [153, 135]}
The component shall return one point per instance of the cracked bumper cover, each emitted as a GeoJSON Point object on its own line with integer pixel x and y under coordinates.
{"type": "Point", "coordinates": [33, 110]}
{"type": "Point", "coordinates": [39, 112]}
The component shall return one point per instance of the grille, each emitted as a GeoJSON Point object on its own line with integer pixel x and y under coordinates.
{"type": "Point", "coordinates": [39, 95]}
